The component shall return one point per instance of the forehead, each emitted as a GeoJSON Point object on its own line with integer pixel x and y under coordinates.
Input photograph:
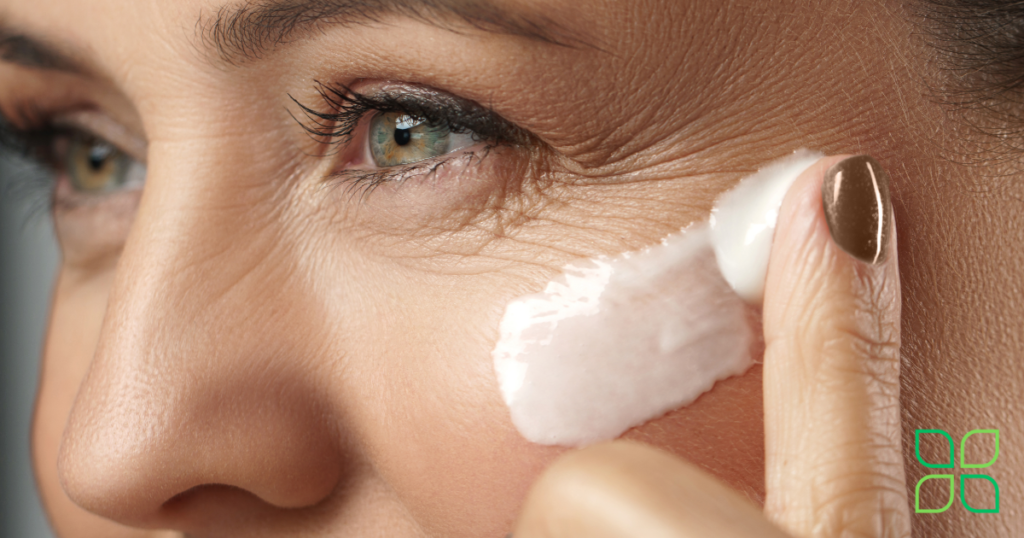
{"type": "Point", "coordinates": [101, 27]}
{"type": "Point", "coordinates": [242, 30]}
{"type": "Point", "coordinates": [564, 69]}
{"type": "Point", "coordinates": [148, 48]}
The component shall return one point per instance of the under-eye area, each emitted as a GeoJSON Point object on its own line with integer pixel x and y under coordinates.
{"type": "Point", "coordinates": [467, 212]}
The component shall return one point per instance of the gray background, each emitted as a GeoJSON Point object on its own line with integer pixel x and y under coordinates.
{"type": "Point", "coordinates": [28, 261]}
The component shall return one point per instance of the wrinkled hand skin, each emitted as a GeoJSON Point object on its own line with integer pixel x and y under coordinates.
{"type": "Point", "coordinates": [248, 350]}
{"type": "Point", "coordinates": [831, 386]}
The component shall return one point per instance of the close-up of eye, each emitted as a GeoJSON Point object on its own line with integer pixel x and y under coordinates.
{"type": "Point", "coordinates": [395, 131]}
{"type": "Point", "coordinates": [95, 166]}
{"type": "Point", "coordinates": [511, 268]}
{"type": "Point", "coordinates": [396, 138]}
{"type": "Point", "coordinates": [64, 152]}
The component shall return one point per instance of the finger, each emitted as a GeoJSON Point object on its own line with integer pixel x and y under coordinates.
{"type": "Point", "coordinates": [624, 488]}
{"type": "Point", "coordinates": [831, 369]}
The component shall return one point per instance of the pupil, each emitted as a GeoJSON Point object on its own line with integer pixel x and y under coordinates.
{"type": "Point", "coordinates": [402, 136]}
{"type": "Point", "coordinates": [98, 155]}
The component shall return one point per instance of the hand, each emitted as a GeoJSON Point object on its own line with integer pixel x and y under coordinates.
{"type": "Point", "coordinates": [834, 466]}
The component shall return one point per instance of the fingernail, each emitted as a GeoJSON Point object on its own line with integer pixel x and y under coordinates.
{"type": "Point", "coordinates": [857, 207]}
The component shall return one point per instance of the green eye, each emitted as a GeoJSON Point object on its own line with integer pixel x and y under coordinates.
{"type": "Point", "coordinates": [397, 139]}
{"type": "Point", "coordinates": [95, 166]}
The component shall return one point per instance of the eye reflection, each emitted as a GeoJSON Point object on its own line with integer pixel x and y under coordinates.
{"type": "Point", "coordinates": [96, 166]}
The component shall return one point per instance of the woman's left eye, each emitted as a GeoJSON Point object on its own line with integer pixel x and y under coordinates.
{"type": "Point", "coordinates": [397, 139]}
{"type": "Point", "coordinates": [95, 166]}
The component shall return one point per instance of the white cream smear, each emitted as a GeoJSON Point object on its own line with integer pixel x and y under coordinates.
{"type": "Point", "coordinates": [613, 342]}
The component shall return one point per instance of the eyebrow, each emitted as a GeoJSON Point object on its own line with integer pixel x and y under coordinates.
{"type": "Point", "coordinates": [256, 28]}
{"type": "Point", "coordinates": [27, 51]}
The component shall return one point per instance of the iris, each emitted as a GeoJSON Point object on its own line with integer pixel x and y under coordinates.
{"type": "Point", "coordinates": [397, 139]}
{"type": "Point", "coordinates": [96, 166]}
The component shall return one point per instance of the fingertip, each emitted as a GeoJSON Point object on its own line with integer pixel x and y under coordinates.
{"type": "Point", "coordinates": [831, 366]}
{"type": "Point", "coordinates": [800, 245]}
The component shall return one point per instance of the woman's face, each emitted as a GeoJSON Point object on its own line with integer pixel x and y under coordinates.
{"type": "Point", "coordinates": [287, 331]}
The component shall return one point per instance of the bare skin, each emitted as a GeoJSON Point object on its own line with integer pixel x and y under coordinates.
{"type": "Point", "coordinates": [244, 348]}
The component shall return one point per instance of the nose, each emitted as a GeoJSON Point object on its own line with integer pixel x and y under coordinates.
{"type": "Point", "coordinates": [208, 379]}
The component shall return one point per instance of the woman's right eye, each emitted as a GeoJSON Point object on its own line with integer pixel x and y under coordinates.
{"type": "Point", "coordinates": [95, 166]}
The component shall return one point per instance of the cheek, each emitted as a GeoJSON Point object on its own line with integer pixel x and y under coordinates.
{"type": "Point", "coordinates": [404, 350]}
{"type": "Point", "coordinates": [431, 418]}
{"type": "Point", "coordinates": [427, 407]}
{"type": "Point", "coordinates": [723, 431]}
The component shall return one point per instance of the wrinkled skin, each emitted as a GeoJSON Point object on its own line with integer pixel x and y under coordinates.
{"type": "Point", "coordinates": [247, 349]}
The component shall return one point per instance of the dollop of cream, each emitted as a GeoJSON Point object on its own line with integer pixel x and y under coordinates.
{"type": "Point", "coordinates": [743, 223]}
{"type": "Point", "coordinates": [613, 342]}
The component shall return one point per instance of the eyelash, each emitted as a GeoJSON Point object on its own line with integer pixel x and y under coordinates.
{"type": "Point", "coordinates": [33, 143]}
{"type": "Point", "coordinates": [33, 180]}
{"type": "Point", "coordinates": [347, 108]}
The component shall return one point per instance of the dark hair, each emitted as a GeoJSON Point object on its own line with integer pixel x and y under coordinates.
{"type": "Point", "coordinates": [980, 46]}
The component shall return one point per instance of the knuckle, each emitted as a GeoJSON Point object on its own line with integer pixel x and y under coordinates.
{"type": "Point", "coordinates": [843, 311]}
{"type": "Point", "coordinates": [847, 339]}
{"type": "Point", "coordinates": [876, 510]}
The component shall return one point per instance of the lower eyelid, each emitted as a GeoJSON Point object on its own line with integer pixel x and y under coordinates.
{"type": "Point", "coordinates": [362, 182]}
{"type": "Point", "coordinates": [460, 141]}
{"type": "Point", "coordinates": [66, 197]}
{"type": "Point", "coordinates": [92, 227]}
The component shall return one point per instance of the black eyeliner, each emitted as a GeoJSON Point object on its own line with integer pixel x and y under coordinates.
{"type": "Point", "coordinates": [347, 107]}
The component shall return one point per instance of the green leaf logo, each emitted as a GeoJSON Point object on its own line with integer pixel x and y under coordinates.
{"type": "Point", "coordinates": [917, 495]}
{"type": "Point", "coordinates": [995, 456]}
{"type": "Point", "coordinates": [950, 478]}
{"type": "Point", "coordinates": [917, 449]}
{"type": "Point", "coordinates": [963, 496]}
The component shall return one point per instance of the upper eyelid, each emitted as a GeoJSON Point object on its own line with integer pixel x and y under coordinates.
{"type": "Point", "coordinates": [103, 126]}
{"type": "Point", "coordinates": [348, 106]}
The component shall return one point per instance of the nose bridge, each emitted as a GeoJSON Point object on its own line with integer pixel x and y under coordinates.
{"type": "Point", "coordinates": [204, 373]}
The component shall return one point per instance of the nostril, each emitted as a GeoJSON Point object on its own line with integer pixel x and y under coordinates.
{"type": "Point", "coordinates": [199, 386]}
{"type": "Point", "coordinates": [201, 489]}
{"type": "Point", "coordinates": [221, 492]}
{"type": "Point", "coordinates": [220, 508]}
{"type": "Point", "coordinates": [206, 494]}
